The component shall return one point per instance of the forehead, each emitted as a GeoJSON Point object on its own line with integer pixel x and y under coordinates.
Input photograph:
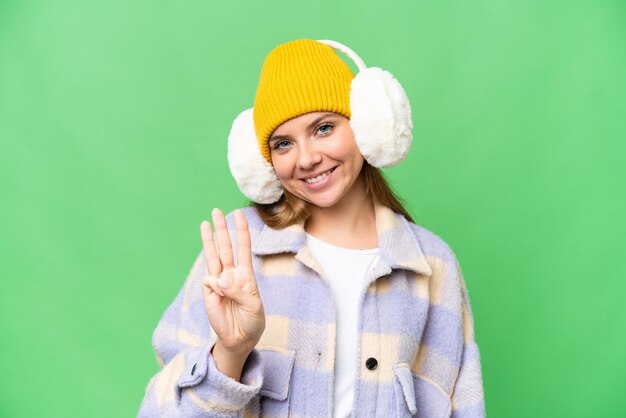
{"type": "Point", "coordinates": [301, 122]}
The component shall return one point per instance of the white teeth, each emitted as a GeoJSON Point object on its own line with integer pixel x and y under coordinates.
{"type": "Point", "coordinates": [318, 178]}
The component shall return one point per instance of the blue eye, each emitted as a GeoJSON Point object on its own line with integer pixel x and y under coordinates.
{"type": "Point", "coordinates": [326, 131]}
{"type": "Point", "coordinates": [281, 144]}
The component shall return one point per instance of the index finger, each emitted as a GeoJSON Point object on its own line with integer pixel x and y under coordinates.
{"type": "Point", "coordinates": [244, 248]}
{"type": "Point", "coordinates": [211, 258]}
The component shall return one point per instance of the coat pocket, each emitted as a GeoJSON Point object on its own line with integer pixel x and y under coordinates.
{"type": "Point", "coordinates": [419, 397]}
{"type": "Point", "coordinates": [277, 369]}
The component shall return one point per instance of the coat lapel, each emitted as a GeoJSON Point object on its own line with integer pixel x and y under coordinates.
{"type": "Point", "coordinates": [398, 247]}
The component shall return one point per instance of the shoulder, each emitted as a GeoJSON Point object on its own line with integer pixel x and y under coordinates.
{"type": "Point", "coordinates": [431, 244]}
{"type": "Point", "coordinates": [446, 281]}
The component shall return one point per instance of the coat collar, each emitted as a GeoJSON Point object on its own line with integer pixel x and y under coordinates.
{"type": "Point", "coordinates": [397, 245]}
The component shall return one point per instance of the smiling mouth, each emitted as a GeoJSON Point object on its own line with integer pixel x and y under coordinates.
{"type": "Point", "coordinates": [319, 178]}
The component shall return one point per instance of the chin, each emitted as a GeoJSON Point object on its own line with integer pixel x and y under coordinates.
{"type": "Point", "coordinates": [324, 202]}
{"type": "Point", "coordinates": [319, 201]}
{"type": "Point", "coordinates": [323, 205]}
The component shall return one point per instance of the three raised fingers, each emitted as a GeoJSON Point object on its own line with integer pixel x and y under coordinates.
{"type": "Point", "coordinates": [219, 254]}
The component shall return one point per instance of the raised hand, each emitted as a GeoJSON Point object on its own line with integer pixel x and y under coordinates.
{"type": "Point", "coordinates": [231, 296]}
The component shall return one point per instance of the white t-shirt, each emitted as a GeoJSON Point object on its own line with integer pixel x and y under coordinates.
{"type": "Point", "coordinates": [345, 271]}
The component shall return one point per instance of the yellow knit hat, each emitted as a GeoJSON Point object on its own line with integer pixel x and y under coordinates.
{"type": "Point", "coordinates": [299, 77]}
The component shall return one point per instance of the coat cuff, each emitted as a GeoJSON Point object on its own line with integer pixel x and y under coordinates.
{"type": "Point", "coordinates": [209, 388]}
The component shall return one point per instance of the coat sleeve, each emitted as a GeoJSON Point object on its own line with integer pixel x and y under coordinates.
{"type": "Point", "coordinates": [468, 395]}
{"type": "Point", "coordinates": [189, 384]}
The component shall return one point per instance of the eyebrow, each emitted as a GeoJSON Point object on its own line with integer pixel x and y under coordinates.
{"type": "Point", "coordinates": [310, 125]}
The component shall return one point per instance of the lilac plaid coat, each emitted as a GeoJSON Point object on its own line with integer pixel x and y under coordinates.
{"type": "Point", "coordinates": [415, 321]}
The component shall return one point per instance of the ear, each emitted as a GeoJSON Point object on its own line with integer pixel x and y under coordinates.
{"type": "Point", "coordinates": [381, 117]}
{"type": "Point", "coordinates": [254, 175]}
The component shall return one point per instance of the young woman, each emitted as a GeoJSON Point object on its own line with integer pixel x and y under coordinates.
{"type": "Point", "coordinates": [323, 298]}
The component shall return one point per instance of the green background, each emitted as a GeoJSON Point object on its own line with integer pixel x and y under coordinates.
{"type": "Point", "coordinates": [113, 124]}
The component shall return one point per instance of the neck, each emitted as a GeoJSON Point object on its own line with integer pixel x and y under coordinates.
{"type": "Point", "coordinates": [350, 223]}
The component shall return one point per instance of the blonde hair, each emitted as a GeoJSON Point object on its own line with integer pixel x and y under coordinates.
{"type": "Point", "coordinates": [290, 209]}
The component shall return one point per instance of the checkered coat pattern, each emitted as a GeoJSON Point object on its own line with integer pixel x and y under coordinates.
{"type": "Point", "coordinates": [415, 320]}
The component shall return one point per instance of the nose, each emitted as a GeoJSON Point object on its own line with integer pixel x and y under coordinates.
{"type": "Point", "coordinates": [308, 156]}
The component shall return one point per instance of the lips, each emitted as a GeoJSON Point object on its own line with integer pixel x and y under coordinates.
{"type": "Point", "coordinates": [319, 177]}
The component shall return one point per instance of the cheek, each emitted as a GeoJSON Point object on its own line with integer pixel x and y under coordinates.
{"type": "Point", "coordinates": [281, 167]}
{"type": "Point", "coordinates": [348, 153]}
{"type": "Point", "coordinates": [345, 147]}
{"type": "Point", "coordinates": [359, 161]}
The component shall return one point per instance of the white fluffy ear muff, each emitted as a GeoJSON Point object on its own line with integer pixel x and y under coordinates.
{"type": "Point", "coordinates": [254, 175]}
{"type": "Point", "coordinates": [380, 113]}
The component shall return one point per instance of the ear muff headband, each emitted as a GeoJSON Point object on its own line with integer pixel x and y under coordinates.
{"type": "Point", "coordinates": [380, 119]}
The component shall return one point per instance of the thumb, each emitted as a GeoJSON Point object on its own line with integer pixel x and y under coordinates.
{"type": "Point", "coordinates": [229, 288]}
